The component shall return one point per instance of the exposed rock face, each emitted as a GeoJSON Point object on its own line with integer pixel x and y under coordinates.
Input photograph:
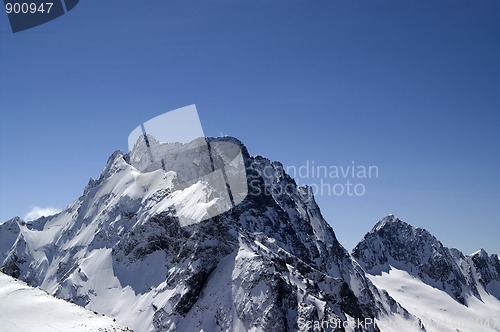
{"type": "Point", "coordinates": [394, 243]}
{"type": "Point", "coordinates": [271, 263]}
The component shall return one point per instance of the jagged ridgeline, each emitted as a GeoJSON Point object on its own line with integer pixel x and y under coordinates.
{"type": "Point", "coordinates": [392, 243]}
{"type": "Point", "coordinates": [270, 263]}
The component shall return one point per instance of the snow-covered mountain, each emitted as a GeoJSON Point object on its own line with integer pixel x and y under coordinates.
{"type": "Point", "coordinates": [448, 290]}
{"type": "Point", "coordinates": [487, 271]}
{"type": "Point", "coordinates": [271, 263]}
{"type": "Point", "coordinates": [24, 308]}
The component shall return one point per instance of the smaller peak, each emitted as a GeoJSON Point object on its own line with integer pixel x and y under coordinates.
{"type": "Point", "coordinates": [91, 184]}
{"type": "Point", "coordinates": [112, 162]}
{"type": "Point", "coordinates": [480, 253]}
{"type": "Point", "coordinates": [16, 219]}
{"type": "Point", "coordinates": [117, 155]}
{"type": "Point", "coordinates": [13, 224]}
{"type": "Point", "coordinates": [389, 219]}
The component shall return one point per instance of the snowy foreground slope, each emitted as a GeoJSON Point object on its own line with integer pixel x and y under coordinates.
{"type": "Point", "coordinates": [24, 308]}
{"type": "Point", "coordinates": [271, 263]}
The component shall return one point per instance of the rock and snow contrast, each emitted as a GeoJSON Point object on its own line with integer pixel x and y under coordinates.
{"type": "Point", "coordinates": [271, 263]}
{"type": "Point", "coordinates": [447, 290]}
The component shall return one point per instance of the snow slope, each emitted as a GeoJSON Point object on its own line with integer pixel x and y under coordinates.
{"type": "Point", "coordinates": [438, 311]}
{"type": "Point", "coordinates": [24, 308]}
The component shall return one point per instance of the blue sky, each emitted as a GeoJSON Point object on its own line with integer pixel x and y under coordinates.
{"type": "Point", "coordinates": [411, 87]}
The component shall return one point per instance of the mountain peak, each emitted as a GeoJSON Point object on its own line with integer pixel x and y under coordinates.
{"type": "Point", "coordinates": [480, 253]}
{"type": "Point", "coordinates": [389, 219]}
{"type": "Point", "coordinates": [269, 260]}
{"type": "Point", "coordinates": [393, 243]}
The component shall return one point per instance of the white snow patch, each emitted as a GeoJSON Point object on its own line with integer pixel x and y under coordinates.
{"type": "Point", "coordinates": [438, 311]}
{"type": "Point", "coordinates": [23, 308]}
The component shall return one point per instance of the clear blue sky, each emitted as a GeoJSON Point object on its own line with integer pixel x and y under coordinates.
{"type": "Point", "coordinates": [412, 87]}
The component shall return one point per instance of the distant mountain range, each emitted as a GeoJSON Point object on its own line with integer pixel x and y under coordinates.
{"type": "Point", "coordinates": [271, 263]}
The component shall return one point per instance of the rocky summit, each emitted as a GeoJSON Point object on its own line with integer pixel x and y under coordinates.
{"type": "Point", "coordinates": [269, 263]}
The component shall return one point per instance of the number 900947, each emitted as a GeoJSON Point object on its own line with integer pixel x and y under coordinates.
{"type": "Point", "coordinates": [28, 8]}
